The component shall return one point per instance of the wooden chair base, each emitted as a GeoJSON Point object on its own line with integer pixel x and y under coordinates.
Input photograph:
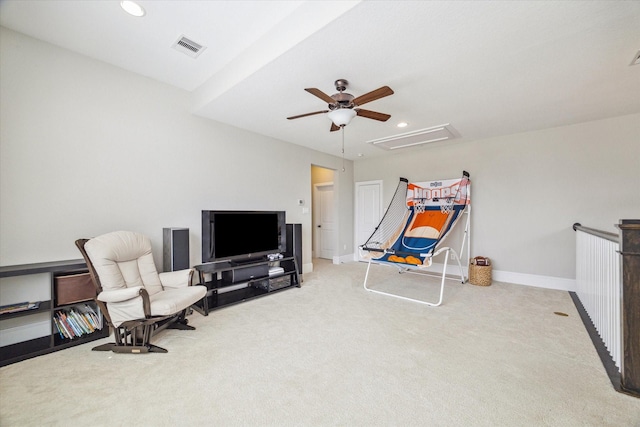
{"type": "Point", "coordinates": [134, 349]}
{"type": "Point", "coordinates": [134, 337]}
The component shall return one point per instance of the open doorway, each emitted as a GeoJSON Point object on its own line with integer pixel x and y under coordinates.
{"type": "Point", "coordinates": [324, 213]}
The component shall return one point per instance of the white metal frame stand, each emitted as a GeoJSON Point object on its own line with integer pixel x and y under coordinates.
{"type": "Point", "coordinates": [417, 270]}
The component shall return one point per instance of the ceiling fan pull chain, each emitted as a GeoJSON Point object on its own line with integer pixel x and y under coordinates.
{"type": "Point", "coordinates": [342, 147]}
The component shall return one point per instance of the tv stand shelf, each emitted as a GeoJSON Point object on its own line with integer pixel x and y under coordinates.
{"type": "Point", "coordinates": [222, 293]}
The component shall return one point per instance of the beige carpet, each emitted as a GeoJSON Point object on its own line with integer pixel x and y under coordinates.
{"type": "Point", "coordinates": [332, 354]}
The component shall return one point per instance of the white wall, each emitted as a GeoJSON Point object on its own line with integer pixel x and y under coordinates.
{"type": "Point", "coordinates": [87, 148]}
{"type": "Point", "coordinates": [529, 189]}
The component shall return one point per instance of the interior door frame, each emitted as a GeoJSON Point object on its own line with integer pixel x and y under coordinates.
{"type": "Point", "coordinates": [356, 230]}
{"type": "Point", "coordinates": [316, 207]}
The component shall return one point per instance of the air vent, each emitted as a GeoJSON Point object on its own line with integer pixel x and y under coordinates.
{"type": "Point", "coordinates": [418, 137]}
{"type": "Point", "coordinates": [188, 47]}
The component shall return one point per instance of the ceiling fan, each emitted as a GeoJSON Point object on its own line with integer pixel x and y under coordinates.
{"type": "Point", "coordinates": [344, 106]}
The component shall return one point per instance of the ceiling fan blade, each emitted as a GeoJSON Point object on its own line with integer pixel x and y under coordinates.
{"type": "Point", "coordinates": [320, 94]}
{"type": "Point", "coordinates": [334, 127]}
{"type": "Point", "coordinates": [308, 114]}
{"type": "Point", "coordinates": [373, 95]}
{"type": "Point", "coordinates": [372, 114]}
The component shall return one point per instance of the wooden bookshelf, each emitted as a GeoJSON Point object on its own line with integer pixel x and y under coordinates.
{"type": "Point", "coordinates": [53, 341]}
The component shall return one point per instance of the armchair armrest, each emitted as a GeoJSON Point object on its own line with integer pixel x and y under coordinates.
{"type": "Point", "coordinates": [119, 295]}
{"type": "Point", "coordinates": [126, 304]}
{"type": "Point", "coordinates": [176, 279]}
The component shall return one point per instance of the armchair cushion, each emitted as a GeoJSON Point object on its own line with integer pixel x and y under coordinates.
{"type": "Point", "coordinates": [124, 260]}
{"type": "Point", "coordinates": [131, 309]}
{"type": "Point", "coordinates": [165, 303]}
{"type": "Point", "coordinates": [172, 301]}
{"type": "Point", "coordinates": [119, 295]}
{"type": "Point", "coordinates": [176, 279]}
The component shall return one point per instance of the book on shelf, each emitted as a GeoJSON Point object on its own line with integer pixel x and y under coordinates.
{"type": "Point", "coordinates": [63, 328]}
{"type": "Point", "coordinates": [18, 307]}
{"type": "Point", "coordinates": [77, 321]}
{"type": "Point", "coordinates": [74, 324]}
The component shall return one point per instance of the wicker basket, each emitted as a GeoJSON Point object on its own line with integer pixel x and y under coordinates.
{"type": "Point", "coordinates": [479, 275]}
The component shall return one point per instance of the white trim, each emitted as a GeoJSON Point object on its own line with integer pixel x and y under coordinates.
{"type": "Point", "coordinates": [345, 259]}
{"type": "Point", "coordinates": [307, 268]}
{"type": "Point", "coordinates": [547, 282]}
{"type": "Point", "coordinates": [535, 280]}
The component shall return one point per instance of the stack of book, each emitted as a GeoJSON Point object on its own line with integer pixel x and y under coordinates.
{"type": "Point", "coordinates": [17, 307]}
{"type": "Point", "coordinates": [77, 321]}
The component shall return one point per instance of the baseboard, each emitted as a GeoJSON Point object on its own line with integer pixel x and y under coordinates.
{"type": "Point", "coordinates": [344, 258]}
{"type": "Point", "coordinates": [547, 282]}
{"type": "Point", "coordinates": [307, 268]}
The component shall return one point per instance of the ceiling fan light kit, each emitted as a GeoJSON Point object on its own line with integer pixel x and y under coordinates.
{"type": "Point", "coordinates": [341, 116]}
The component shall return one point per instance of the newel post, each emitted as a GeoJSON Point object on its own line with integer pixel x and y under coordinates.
{"type": "Point", "coordinates": [630, 266]}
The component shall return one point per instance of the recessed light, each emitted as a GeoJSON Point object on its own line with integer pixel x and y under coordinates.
{"type": "Point", "coordinates": [132, 8]}
{"type": "Point", "coordinates": [402, 124]}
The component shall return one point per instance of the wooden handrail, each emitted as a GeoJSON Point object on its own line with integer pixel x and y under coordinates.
{"type": "Point", "coordinates": [598, 233]}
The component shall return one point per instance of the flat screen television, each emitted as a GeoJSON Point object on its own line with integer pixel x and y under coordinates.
{"type": "Point", "coordinates": [242, 236]}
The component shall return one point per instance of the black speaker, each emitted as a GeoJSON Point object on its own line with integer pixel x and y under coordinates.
{"type": "Point", "coordinates": [244, 274]}
{"type": "Point", "coordinates": [294, 244]}
{"type": "Point", "coordinates": [175, 249]}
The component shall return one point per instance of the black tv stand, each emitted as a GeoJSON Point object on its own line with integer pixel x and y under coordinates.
{"type": "Point", "coordinates": [222, 293]}
{"type": "Point", "coordinates": [246, 262]}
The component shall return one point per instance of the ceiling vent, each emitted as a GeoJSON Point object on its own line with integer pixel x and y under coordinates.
{"type": "Point", "coordinates": [418, 137]}
{"type": "Point", "coordinates": [188, 47]}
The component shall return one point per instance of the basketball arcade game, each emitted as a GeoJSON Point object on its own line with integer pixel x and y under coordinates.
{"type": "Point", "coordinates": [411, 233]}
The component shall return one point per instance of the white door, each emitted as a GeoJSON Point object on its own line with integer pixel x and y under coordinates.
{"type": "Point", "coordinates": [325, 222]}
{"type": "Point", "coordinates": [368, 211]}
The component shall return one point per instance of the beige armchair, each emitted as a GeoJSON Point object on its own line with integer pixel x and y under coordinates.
{"type": "Point", "coordinates": [135, 300]}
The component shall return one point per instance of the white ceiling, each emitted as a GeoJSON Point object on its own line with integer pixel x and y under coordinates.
{"type": "Point", "coordinates": [487, 68]}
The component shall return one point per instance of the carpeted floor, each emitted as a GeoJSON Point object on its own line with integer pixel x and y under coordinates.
{"type": "Point", "coordinates": [332, 354]}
